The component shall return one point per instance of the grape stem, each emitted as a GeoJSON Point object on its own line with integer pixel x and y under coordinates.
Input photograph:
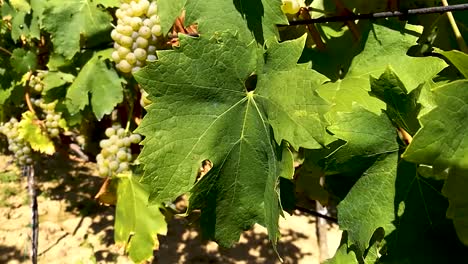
{"type": "Point", "coordinates": [317, 214]}
{"type": "Point", "coordinates": [6, 51]}
{"type": "Point", "coordinates": [27, 98]}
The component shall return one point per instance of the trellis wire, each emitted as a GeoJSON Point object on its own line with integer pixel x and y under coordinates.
{"type": "Point", "coordinates": [386, 14]}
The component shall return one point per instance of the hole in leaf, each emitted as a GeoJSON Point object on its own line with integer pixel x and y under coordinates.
{"type": "Point", "coordinates": [205, 167]}
{"type": "Point", "coordinates": [251, 82]}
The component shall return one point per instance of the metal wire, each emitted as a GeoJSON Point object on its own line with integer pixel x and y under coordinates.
{"type": "Point", "coordinates": [401, 14]}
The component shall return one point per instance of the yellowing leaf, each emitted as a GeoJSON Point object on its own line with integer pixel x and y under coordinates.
{"type": "Point", "coordinates": [30, 131]}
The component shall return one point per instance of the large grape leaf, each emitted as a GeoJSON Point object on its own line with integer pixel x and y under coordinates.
{"type": "Point", "coordinates": [458, 59]}
{"type": "Point", "coordinates": [168, 11]}
{"type": "Point", "coordinates": [23, 23]}
{"type": "Point", "coordinates": [367, 136]}
{"type": "Point", "coordinates": [103, 84]}
{"type": "Point", "coordinates": [402, 107]}
{"type": "Point", "coordinates": [136, 222]}
{"type": "Point", "coordinates": [68, 21]}
{"type": "Point", "coordinates": [23, 60]}
{"type": "Point", "coordinates": [251, 19]}
{"type": "Point", "coordinates": [342, 256]}
{"type": "Point", "coordinates": [455, 190]}
{"type": "Point", "coordinates": [206, 87]}
{"type": "Point", "coordinates": [442, 140]}
{"type": "Point", "coordinates": [422, 233]}
{"type": "Point", "coordinates": [370, 203]}
{"type": "Point", "coordinates": [383, 47]}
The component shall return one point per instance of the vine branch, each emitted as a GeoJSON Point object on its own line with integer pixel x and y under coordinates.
{"type": "Point", "coordinates": [6, 51]}
{"type": "Point", "coordinates": [27, 98]}
{"type": "Point", "coordinates": [387, 14]}
{"type": "Point", "coordinates": [317, 214]}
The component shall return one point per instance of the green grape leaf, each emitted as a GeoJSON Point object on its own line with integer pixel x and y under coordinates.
{"type": "Point", "coordinates": [370, 203]}
{"type": "Point", "coordinates": [384, 47]}
{"type": "Point", "coordinates": [228, 119]}
{"type": "Point", "coordinates": [4, 95]}
{"type": "Point", "coordinates": [23, 23]}
{"type": "Point", "coordinates": [402, 108]}
{"type": "Point", "coordinates": [455, 190]}
{"type": "Point", "coordinates": [342, 256]}
{"type": "Point", "coordinates": [54, 79]}
{"type": "Point", "coordinates": [108, 3]}
{"type": "Point", "coordinates": [102, 83]}
{"type": "Point", "coordinates": [68, 21]}
{"type": "Point", "coordinates": [422, 233]}
{"type": "Point", "coordinates": [251, 19]}
{"type": "Point", "coordinates": [23, 60]}
{"type": "Point", "coordinates": [136, 222]}
{"type": "Point", "coordinates": [458, 59]}
{"type": "Point", "coordinates": [168, 11]}
{"type": "Point", "coordinates": [367, 136]}
{"type": "Point", "coordinates": [307, 176]}
{"type": "Point", "coordinates": [441, 141]}
{"type": "Point", "coordinates": [21, 5]}
{"type": "Point", "coordinates": [31, 132]}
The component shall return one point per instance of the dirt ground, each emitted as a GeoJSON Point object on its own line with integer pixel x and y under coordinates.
{"type": "Point", "coordinates": [75, 229]}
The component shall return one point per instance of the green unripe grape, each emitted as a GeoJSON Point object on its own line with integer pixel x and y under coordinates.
{"type": "Point", "coordinates": [104, 143]}
{"type": "Point", "coordinates": [141, 42]}
{"type": "Point", "coordinates": [136, 23]}
{"type": "Point", "coordinates": [54, 132]}
{"type": "Point", "coordinates": [145, 31]}
{"type": "Point", "coordinates": [124, 66]}
{"type": "Point", "coordinates": [49, 117]}
{"type": "Point", "coordinates": [110, 131]}
{"type": "Point", "coordinates": [38, 88]}
{"type": "Point", "coordinates": [156, 30]}
{"type": "Point", "coordinates": [131, 58]}
{"type": "Point", "coordinates": [123, 167]}
{"type": "Point", "coordinates": [113, 165]}
{"type": "Point", "coordinates": [127, 141]}
{"type": "Point", "coordinates": [135, 138]}
{"type": "Point", "coordinates": [115, 35]}
{"type": "Point", "coordinates": [120, 132]}
{"type": "Point", "coordinates": [113, 149]}
{"type": "Point", "coordinates": [140, 54]}
{"type": "Point", "coordinates": [126, 41]}
{"type": "Point", "coordinates": [103, 171]}
{"type": "Point", "coordinates": [152, 9]}
{"type": "Point", "coordinates": [122, 155]}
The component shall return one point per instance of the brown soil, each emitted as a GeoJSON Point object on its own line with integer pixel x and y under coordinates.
{"type": "Point", "coordinates": [74, 228]}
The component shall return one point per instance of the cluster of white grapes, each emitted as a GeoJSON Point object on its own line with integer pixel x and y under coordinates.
{"type": "Point", "coordinates": [292, 6]}
{"type": "Point", "coordinates": [115, 155]}
{"type": "Point", "coordinates": [36, 81]}
{"type": "Point", "coordinates": [50, 117]}
{"type": "Point", "coordinates": [137, 31]}
{"type": "Point", "coordinates": [20, 148]}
